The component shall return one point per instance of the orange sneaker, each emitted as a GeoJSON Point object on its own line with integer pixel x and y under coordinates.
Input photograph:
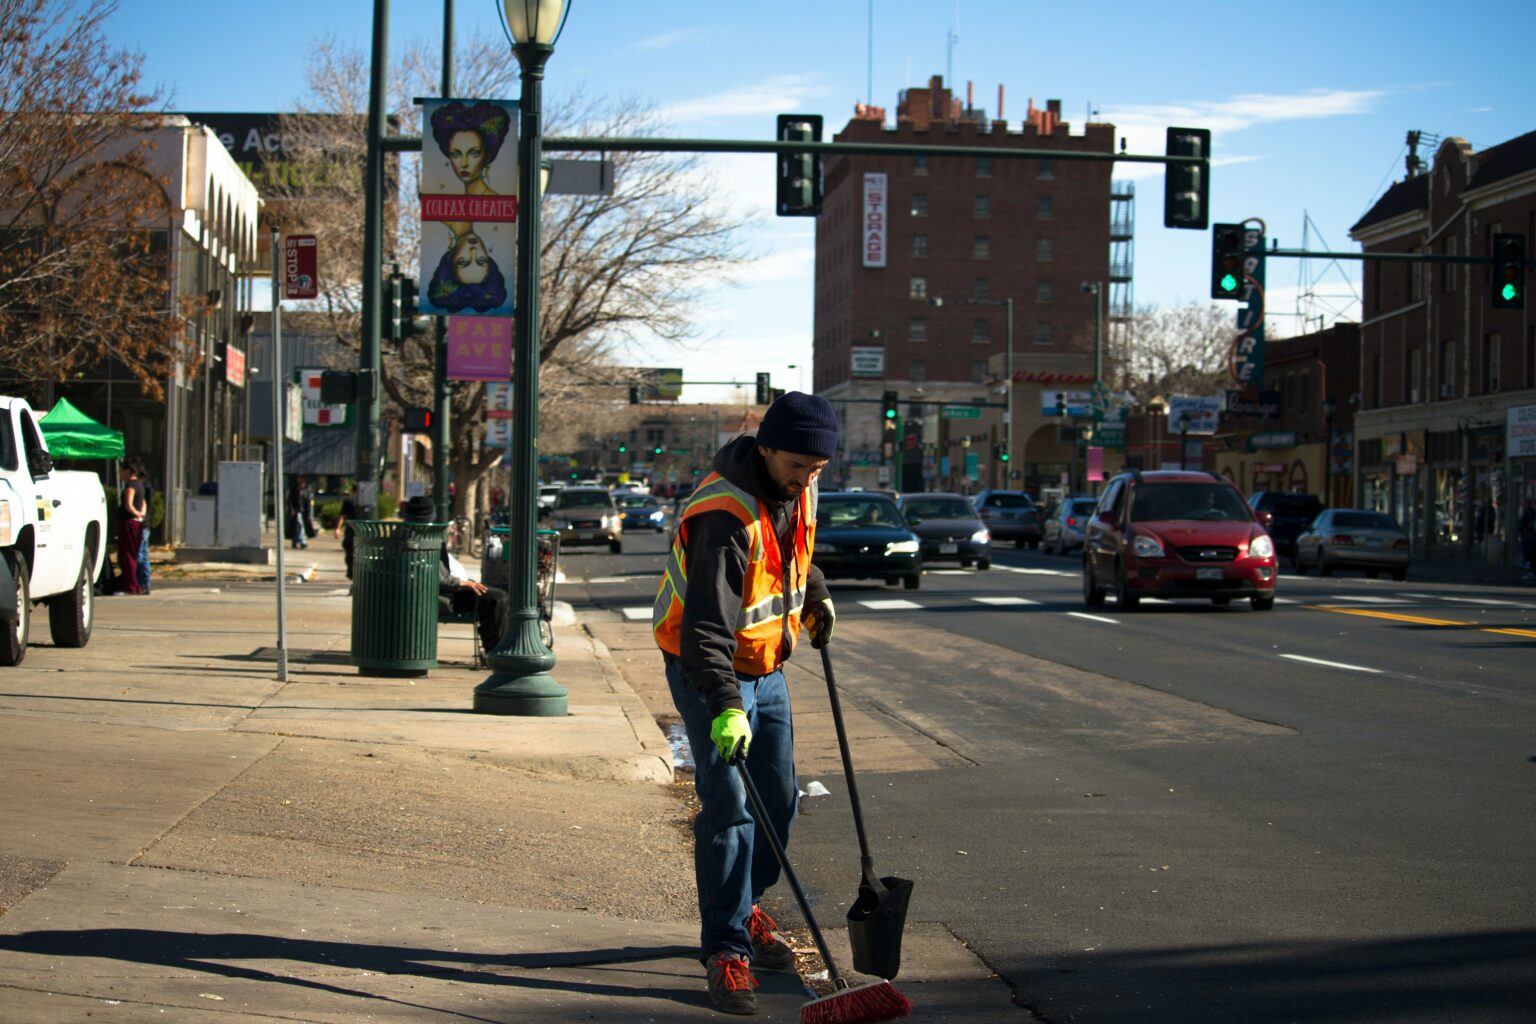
{"type": "Point", "coordinates": [731, 984]}
{"type": "Point", "coordinates": [769, 952]}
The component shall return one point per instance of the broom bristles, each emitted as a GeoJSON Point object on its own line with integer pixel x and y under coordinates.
{"type": "Point", "coordinates": [866, 1004]}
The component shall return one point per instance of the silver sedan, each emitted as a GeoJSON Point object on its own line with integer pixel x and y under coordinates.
{"type": "Point", "coordinates": [1353, 538]}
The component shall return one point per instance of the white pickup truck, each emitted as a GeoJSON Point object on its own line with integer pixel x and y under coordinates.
{"type": "Point", "coordinates": [53, 530]}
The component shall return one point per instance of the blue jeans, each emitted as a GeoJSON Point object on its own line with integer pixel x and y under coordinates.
{"type": "Point", "coordinates": [733, 866]}
{"type": "Point", "coordinates": [144, 561]}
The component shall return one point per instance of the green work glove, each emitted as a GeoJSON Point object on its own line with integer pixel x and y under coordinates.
{"type": "Point", "coordinates": [820, 619]}
{"type": "Point", "coordinates": [730, 730]}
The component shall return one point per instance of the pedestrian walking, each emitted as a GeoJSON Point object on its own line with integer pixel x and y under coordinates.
{"type": "Point", "coordinates": [300, 511]}
{"type": "Point", "coordinates": [131, 513]}
{"type": "Point", "coordinates": [737, 587]}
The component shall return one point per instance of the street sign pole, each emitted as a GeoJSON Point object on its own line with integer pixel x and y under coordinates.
{"type": "Point", "coordinates": [279, 394]}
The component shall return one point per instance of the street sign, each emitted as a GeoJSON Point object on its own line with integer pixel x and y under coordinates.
{"type": "Point", "coordinates": [961, 412]}
{"type": "Point", "coordinates": [1248, 359]}
{"type": "Point", "coordinates": [1203, 413]}
{"type": "Point", "coordinates": [868, 361]}
{"type": "Point", "coordinates": [301, 267]}
{"type": "Point", "coordinates": [1272, 439]}
{"type": "Point", "coordinates": [1109, 435]}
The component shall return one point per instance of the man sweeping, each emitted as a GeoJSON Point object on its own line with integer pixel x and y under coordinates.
{"type": "Point", "coordinates": [737, 587]}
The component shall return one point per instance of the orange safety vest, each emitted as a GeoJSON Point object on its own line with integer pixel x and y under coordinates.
{"type": "Point", "coordinates": [761, 623]}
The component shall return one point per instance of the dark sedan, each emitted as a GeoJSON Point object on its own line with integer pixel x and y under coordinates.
{"type": "Point", "coordinates": [861, 535]}
{"type": "Point", "coordinates": [640, 512]}
{"type": "Point", "coordinates": [1010, 515]}
{"type": "Point", "coordinates": [949, 528]}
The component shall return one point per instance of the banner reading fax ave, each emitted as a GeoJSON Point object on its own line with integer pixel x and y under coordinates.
{"type": "Point", "coordinates": [468, 207]}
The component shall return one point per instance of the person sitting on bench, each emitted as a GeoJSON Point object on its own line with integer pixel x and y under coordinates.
{"type": "Point", "coordinates": [457, 595]}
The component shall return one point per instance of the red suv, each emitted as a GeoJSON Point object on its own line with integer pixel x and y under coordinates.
{"type": "Point", "coordinates": [1176, 534]}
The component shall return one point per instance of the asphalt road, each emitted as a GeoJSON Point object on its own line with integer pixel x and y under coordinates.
{"type": "Point", "coordinates": [1189, 813]}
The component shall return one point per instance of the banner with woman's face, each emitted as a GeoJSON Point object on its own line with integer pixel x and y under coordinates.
{"type": "Point", "coordinates": [468, 207]}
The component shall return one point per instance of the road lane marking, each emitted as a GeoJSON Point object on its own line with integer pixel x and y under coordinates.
{"type": "Point", "coordinates": [1513, 632]}
{"type": "Point", "coordinates": [1094, 618]}
{"type": "Point", "coordinates": [610, 579]}
{"type": "Point", "coordinates": [1490, 601]}
{"type": "Point", "coordinates": [1034, 572]}
{"type": "Point", "coordinates": [948, 572]}
{"type": "Point", "coordinates": [1332, 664]}
{"type": "Point", "coordinates": [1003, 601]}
{"type": "Point", "coordinates": [891, 604]}
{"type": "Point", "coordinates": [1369, 599]}
{"type": "Point", "coordinates": [636, 613]}
{"type": "Point", "coordinates": [1418, 620]}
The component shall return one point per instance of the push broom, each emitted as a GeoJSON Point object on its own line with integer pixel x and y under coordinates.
{"type": "Point", "coordinates": [849, 1004]}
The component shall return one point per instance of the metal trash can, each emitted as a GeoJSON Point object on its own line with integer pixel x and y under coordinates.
{"type": "Point", "coordinates": [394, 597]}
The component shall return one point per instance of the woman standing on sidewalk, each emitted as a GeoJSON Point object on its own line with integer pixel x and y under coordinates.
{"type": "Point", "coordinates": [131, 512]}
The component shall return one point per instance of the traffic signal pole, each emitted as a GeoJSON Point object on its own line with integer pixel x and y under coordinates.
{"type": "Point", "coordinates": [442, 444]}
{"type": "Point", "coordinates": [368, 361]}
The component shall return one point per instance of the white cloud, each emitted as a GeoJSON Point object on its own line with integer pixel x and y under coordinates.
{"type": "Point", "coordinates": [1143, 126]}
{"type": "Point", "coordinates": [769, 96]}
{"type": "Point", "coordinates": [665, 40]}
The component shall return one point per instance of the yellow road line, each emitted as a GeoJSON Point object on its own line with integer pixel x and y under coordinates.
{"type": "Point", "coordinates": [1394, 616]}
{"type": "Point", "coordinates": [1418, 620]}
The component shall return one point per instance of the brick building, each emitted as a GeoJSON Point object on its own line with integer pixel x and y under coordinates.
{"type": "Point", "coordinates": [1446, 379]}
{"type": "Point", "coordinates": [921, 259]}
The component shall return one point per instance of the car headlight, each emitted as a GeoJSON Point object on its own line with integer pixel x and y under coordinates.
{"type": "Point", "coordinates": [981, 536]}
{"type": "Point", "coordinates": [609, 522]}
{"type": "Point", "coordinates": [1261, 547]}
{"type": "Point", "coordinates": [658, 515]}
{"type": "Point", "coordinates": [1147, 546]}
{"type": "Point", "coordinates": [902, 547]}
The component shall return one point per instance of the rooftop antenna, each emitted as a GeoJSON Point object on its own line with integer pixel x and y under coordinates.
{"type": "Point", "coordinates": [951, 38]}
{"type": "Point", "coordinates": [869, 84]}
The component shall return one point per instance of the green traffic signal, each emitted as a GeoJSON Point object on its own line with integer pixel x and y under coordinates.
{"type": "Point", "coordinates": [1228, 283]}
{"type": "Point", "coordinates": [890, 414]}
{"type": "Point", "coordinates": [657, 449]}
{"type": "Point", "coordinates": [623, 448]}
{"type": "Point", "coordinates": [1509, 291]}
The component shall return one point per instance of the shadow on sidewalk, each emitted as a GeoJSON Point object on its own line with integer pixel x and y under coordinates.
{"type": "Point", "coordinates": [203, 953]}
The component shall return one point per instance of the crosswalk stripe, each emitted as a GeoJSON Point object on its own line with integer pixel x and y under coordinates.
{"type": "Point", "coordinates": [1370, 599]}
{"type": "Point", "coordinates": [1094, 618]}
{"type": "Point", "coordinates": [1034, 572]}
{"type": "Point", "coordinates": [1331, 664]}
{"type": "Point", "coordinates": [1004, 601]}
{"type": "Point", "coordinates": [948, 572]}
{"type": "Point", "coordinates": [610, 579]}
{"type": "Point", "coordinates": [886, 604]}
{"type": "Point", "coordinates": [637, 613]}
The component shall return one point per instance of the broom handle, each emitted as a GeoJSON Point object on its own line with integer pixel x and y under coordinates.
{"type": "Point", "coordinates": [766, 828]}
{"type": "Point", "coordinates": [866, 862]}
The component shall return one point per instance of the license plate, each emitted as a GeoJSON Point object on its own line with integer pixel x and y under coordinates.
{"type": "Point", "coordinates": [948, 549]}
{"type": "Point", "coordinates": [1373, 542]}
{"type": "Point", "coordinates": [1207, 574]}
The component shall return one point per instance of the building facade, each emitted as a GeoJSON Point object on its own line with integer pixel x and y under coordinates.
{"type": "Point", "coordinates": [1447, 417]}
{"type": "Point", "coordinates": [932, 272]}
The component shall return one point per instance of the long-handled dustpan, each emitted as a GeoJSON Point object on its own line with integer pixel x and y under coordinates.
{"type": "Point", "coordinates": [879, 915]}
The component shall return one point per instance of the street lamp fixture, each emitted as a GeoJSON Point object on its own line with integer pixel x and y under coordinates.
{"type": "Point", "coordinates": [520, 683]}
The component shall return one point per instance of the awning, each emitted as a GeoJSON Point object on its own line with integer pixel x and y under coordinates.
{"type": "Point", "coordinates": [71, 434]}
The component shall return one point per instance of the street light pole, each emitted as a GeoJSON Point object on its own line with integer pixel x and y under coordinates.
{"type": "Point", "coordinates": [1008, 373]}
{"type": "Point", "coordinates": [520, 683]}
{"type": "Point", "coordinates": [1184, 440]}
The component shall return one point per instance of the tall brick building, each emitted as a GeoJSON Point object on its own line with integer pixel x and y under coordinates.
{"type": "Point", "coordinates": [916, 259]}
{"type": "Point", "coordinates": [1446, 427]}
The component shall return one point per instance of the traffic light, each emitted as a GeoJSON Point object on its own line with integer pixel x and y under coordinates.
{"type": "Point", "coordinates": [1061, 404]}
{"type": "Point", "coordinates": [888, 404]}
{"type": "Point", "coordinates": [418, 420]}
{"type": "Point", "coordinates": [1508, 271]}
{"type": "Point", "coordinates": [1187, 187]}
{"type": "Point", "coordinates": [1002, 452]}
{"type": "Point", "coordinates": [799, 173]}
{"type": "Point", "coordinates": [656, 450]}
{"type": "Point", "coordinates": [393, 304]}
{"type": "Point", "coordinates": [1227, 261]}
{"type": "Point", "coordinates": [623, 447]}
{"type": "Point", "coordinates": [764, 389]}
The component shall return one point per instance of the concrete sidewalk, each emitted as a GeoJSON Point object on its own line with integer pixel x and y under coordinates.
{"type": "Point", "coordinates": [188, 839]}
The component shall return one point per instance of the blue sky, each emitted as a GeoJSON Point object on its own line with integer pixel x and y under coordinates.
{"type": "Point", "coordinates": [1308, 103]}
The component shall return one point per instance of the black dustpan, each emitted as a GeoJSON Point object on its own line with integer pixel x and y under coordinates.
{"type": "Point", "coordinates": [879, 914]}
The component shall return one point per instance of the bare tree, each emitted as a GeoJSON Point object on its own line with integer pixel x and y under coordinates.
{"type": "Point", "coordinates": [1176, 350]}
{"type": "Point", "coordinates": [84, 225]}
{"type": "Point", "coordinates": [612, 267]}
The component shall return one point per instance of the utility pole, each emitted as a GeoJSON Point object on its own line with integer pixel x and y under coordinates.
{"type": "Point", "coordinates": [373, 270]}
{"type": "Point", "coordinates": [442, 393]}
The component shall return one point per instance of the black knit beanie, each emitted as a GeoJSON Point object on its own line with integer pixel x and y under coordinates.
{"type": "Point", "coordinates": [802, 424]}
{"type": "Point", "coordinates": [419, 509]}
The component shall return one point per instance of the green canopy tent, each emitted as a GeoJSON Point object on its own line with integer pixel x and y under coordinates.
{"type": "Point", "coordinates": [71, 434]}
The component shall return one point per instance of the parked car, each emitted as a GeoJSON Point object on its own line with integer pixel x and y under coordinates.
{"type": "Point", "coordinates": [1289, 515]}
{"type": "Point", "coordinates": [1009, 515]}
{"type": "Point", "coordinates": [949, 529]}
{"type": "Point", "coordinates": [862, 535]}
{"type": "Point", "coordinates": [1063, 531]}
{"type": "Point", "coordinates": [1171, 533]}
{"type": "Point", "coordinates": [586, 515]}
{"type": "Point", "coordinates": [547, 494]}
{"type": "Point", "coordinates": [53, 533]}
{"type": "Point", "coordinates": [1353, 538]}
{"type": "Point", "coordinates": [640, 511]}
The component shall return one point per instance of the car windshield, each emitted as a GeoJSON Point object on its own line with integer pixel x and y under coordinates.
{"type": "Point", "coordinates": [1008, 501]}
{"type": "Point", "coordinates": [634, 500]}
{"type": "Point", "coordinates": [1364, 521]}
{"type": "Point", "coordinates": [834, 513]}
{"type": "Point", "coordinates": [570, 498]}
{"type": "Point", "coordinates": [1212, 501]}
{"type": "Point", "coordinates": [939, 508]}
